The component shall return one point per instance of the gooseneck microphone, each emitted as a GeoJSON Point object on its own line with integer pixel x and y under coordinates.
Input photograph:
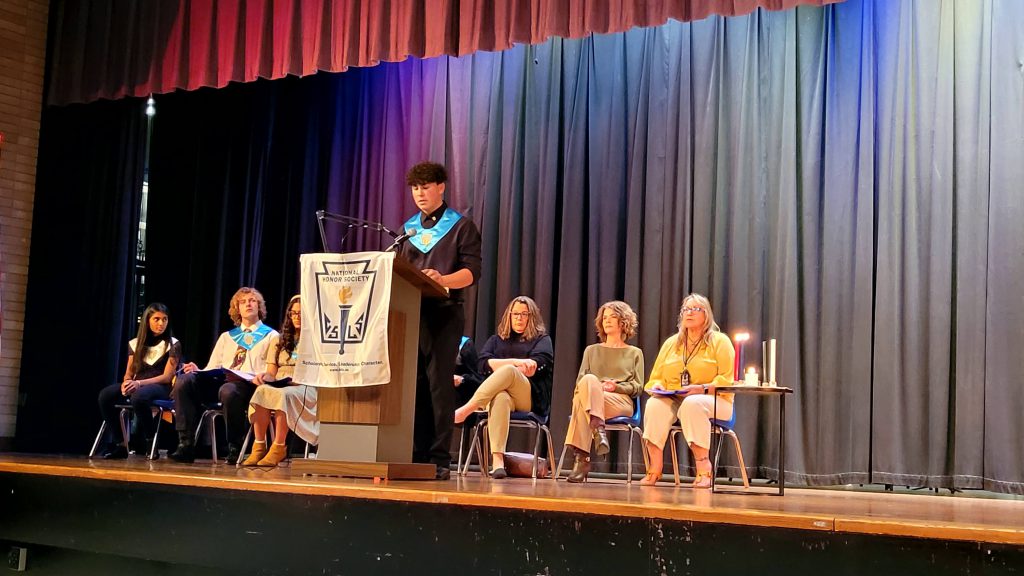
{"type": "Point", "coordinates": [409, 233]}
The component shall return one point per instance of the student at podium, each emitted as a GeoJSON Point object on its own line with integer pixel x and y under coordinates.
{"type": "Point", "coordinates": [243, 349]}
{"type": "Point", "coordinates": [445, 245]}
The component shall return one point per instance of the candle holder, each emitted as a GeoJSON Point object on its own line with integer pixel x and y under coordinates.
{"type": "Point", "coordinates": [740, 338]}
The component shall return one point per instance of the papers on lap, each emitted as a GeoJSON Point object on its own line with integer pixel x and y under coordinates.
{"type": "Point", "coordinates": [228, 374]}
{"type": "Point", "coordinates": [668, 392]}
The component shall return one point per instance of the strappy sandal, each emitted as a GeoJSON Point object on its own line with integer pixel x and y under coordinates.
{"type": "Point", "coordinates": [650, 479]}
{"type": "Point", "coordinates": [703, 479]}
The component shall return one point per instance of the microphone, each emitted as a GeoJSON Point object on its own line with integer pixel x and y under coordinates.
{"type": "Point", "coordinates": [409, 233]}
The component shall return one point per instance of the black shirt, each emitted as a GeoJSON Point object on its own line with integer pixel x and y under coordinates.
{"type": "Point", "coordinates": [460, 248]}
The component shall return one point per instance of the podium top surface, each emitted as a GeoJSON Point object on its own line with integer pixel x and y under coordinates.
{"type": "Point", "coordinates": [417, 278]}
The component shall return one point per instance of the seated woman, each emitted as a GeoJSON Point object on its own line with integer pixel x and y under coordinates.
{"type": "Point", "coordinates": [611, 376]}
{"type": "Point", "coordinates": [690, 365]}
{"type": "Point", "coordinates": [293, 405]}
{"type": "Point", "coordinates": [518, 362]}
{"type": "Point", "coordinates": [153, 357]}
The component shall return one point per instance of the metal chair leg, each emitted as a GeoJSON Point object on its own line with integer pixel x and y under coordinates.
{"type": "Point", "coordinates": [99, 435]}
{"type": "Point", "coordinates": [551, 444]}
{"type": "Point", "coordinates": [561, 460]}
{"type": "Point", "coordinates": [245, 444]}
{"type": "Point", "coordinates": [462, 441]}
{"type": "Point", "coordinates": [536, 453]}
{"type": "Point", "coordinates": [124, 418]}
{"type": "Point", "coordinates": [739, 456]}
{"type": "Point", "coordinates": [675, 455]}
{"type": "Point", "coordinates": [156, 433]}
{"type": "Point", "coordinates": [629, 460]}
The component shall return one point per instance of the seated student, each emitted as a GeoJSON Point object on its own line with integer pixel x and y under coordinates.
{"type": "Point", "coordinates": [153, 356]}
{"type": "Point", "coordinates": [690, 365]}
{"type": "Point", "coordinates": [467, 377]}
{"type": "Point", "coordinates": [611, 376]}
{"type": "Point", "coordinates": [243, 348]}
{"type": "Point", "coordinates": [293, 405]}
{"type": "Point", "coordinates": [518, 362]}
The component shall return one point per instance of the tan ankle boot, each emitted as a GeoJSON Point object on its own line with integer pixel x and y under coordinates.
{"type": "Point", "coordinates": [259, 450]}
{"type": "Point", "coordinates": [277, 453]}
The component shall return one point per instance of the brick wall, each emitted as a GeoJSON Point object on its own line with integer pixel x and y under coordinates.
{"type": "Point", "coordinates": [22, 61]}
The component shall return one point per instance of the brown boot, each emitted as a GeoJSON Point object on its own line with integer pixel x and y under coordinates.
{"type": "Point", "coordinates": [277, 453]}
{"type": "Point", "coordinates": [601, 446]}
{"type": "Point", "coordinates": [580, 468]}
{"type": "Point", "coordinates": [259, 450]}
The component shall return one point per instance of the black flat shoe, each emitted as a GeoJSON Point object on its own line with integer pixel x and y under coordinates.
{"type": "Point", "coordinates": [499, 473]}
{"type": "Point", "coordinates": [185, 454]}
{"type": "Point", "coordinates": [118, 453]}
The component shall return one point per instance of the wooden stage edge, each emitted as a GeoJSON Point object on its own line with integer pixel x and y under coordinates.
{"type": "Point", "coordinates": [958, 518]}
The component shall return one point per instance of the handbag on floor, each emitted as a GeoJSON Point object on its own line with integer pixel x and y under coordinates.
{"type": "Point", "coordinates": [520, 465]}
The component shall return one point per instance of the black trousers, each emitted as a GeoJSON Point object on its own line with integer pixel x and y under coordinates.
{"type": "Point", "coordinates": [194, 389]}
{"type": "Point", "coordinates": [142, 403]}
{"type": "Point", "coordinates": [441, 329]}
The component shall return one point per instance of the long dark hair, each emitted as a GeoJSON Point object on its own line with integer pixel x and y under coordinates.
{"type": "Point", "coordinates": [289, 333]}
{"type": "Point", "coordinates": [142, 337]}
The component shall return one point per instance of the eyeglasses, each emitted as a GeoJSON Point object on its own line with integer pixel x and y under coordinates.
{"type": "Point", "coordinates": [694, 309]}
{"type": "Point", "coordinates": [520, 314]}
{"type": "Point", "coordinates": [295, 314]}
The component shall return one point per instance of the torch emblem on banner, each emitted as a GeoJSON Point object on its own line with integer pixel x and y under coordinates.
{"type": "Point", "coordinates": [344, 295]}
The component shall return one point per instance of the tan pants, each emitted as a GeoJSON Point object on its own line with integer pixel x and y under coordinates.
{"type": "Point", "coordinates": [693, 412]}
{"type": "Point", "coordinates": [505, 391]}
{"type": "Point", "coordinates": [591, 400]}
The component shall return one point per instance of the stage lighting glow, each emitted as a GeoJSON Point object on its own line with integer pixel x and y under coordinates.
{"type": "Point", "coordinates": [150, 107]}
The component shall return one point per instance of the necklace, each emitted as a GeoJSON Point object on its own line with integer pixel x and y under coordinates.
{"type": "Point", "coordinates": [694, 348]}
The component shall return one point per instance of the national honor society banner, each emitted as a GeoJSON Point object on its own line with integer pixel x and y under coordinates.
{"type": "Point", "coordinates": [345, 301]}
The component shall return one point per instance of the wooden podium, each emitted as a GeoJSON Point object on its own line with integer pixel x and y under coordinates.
{"type": "Point", "coordinates": [367, 432]}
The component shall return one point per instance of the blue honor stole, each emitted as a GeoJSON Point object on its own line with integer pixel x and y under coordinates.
{"type": "Point", "coordinates": [247, 340]}
{"type": "Point", "coordinates": [426, 238]}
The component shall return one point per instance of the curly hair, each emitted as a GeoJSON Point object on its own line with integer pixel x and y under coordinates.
{"type": "Point", "coordinates": [289, 332]}
{"type": "Point", "coordinates": [628, 323]}
{"type": "Point", "coordinates": [233, 307]}
{"type": "Point", "coordinates": [426, 173]}
{"type": "Point", "coordinates": [534, 324]}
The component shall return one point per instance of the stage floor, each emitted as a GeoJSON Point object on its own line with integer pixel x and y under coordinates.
{"type": "Point", "coordinates": [926, 515]}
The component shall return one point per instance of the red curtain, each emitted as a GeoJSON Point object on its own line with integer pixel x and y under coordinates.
{"type": "Point", "coordinates": [113, 48]}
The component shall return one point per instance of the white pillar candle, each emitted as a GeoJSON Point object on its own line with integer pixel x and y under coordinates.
{"type": "Point", "coordinates": [750, 379]}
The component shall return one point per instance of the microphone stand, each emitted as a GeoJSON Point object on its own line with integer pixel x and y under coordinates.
{"type": "Point", "coordinates": [351, 222]}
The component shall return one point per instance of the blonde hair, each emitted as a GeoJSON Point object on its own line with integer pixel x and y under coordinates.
{"type": "Point", "coordinates": [236, 317]}
{"type": "Point", "coordinates": [709, 326]}
{"type": "Point", "coordinates": [534, 323]}
{"type": "Point", "coordinates": [627, 320]}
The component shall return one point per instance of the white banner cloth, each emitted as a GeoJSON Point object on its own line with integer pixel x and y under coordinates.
{"type": "Point", "coordinates": [345, 302]}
